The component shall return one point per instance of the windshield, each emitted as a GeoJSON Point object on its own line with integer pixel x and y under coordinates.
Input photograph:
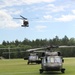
{"type": "Point", "coordinates": [57, 59]}
{"type": "Point", "coordinates": [33, 57]}
{"type": "Point", "coordinates": [54, 59]}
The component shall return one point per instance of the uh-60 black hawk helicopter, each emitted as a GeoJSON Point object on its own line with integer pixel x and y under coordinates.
{"type": "Point", "coordinates": [51, 60]}
{"type": "Point", "coordinates": [33, 56]}
{"type": "Point", "coordinates": [25, 21]}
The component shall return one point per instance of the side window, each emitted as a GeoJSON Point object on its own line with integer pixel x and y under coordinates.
{"type": "Point", "coordinates": [52, 60]}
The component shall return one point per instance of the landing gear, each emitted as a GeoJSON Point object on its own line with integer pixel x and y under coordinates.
{"type": "Point", "coordinates": [28, 63]}
{"type": "Point", "coordinates": [63, 70]}
{"type": "Point", "coordinates": [41, 71]}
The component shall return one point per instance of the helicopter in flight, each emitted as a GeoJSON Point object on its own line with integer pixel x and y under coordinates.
{"type": "Point", "coordinates": [51, 60]}
{"type": "Point", "coordinates": [25, 21]}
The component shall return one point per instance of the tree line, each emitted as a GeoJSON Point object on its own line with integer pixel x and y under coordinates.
{"type": "Point", "coordinates": [18, 48]}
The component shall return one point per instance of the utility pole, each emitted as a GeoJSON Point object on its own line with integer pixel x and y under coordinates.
{"type": "Point", "coordinates": [9, 51]}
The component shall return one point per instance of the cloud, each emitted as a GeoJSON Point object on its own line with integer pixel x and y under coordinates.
{"type": "Point", "coordinates": [56, 8]}
{"type": "Point", "coordinates": [40, 28]}
{"type": "Point", "coordinates": [51, 8]}
{"type": "Point", "coordinates": [6, 21]}
{"type": "Point", "coordinates": [73, 11]}
{"type": "Point", "coordinates": [36, 1]}
{"type": "Point", "coordinates": [5, 3]}
{"type": "Point", "coordinates": [12, 11]}
{"type": "Point", "coordinates": [47, 17]}
{"type": "Point", "coordinates": [65, 18]}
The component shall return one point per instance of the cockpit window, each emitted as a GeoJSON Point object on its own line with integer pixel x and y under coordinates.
{"type": "Point", "coordinates": [33, 57]}
{"type": "Point", "coordinates": [50, 59]}
{"type": "Point", "coordinates": [57, 59]}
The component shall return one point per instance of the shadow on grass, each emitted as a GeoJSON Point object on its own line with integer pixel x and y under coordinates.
{"type": "Point", "coordinates": [33, 64]}
{"type": "Point", "coordinates": [51, 73]}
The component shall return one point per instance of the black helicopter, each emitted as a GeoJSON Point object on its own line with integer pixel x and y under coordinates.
{"type": "Point", "coordinates": [25, 21]}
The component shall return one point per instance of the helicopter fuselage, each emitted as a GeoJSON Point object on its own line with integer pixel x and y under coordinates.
{"type": "Point", "coordinates": [52, 62]}
{"type": "Point", "coordinates": [33, 58]}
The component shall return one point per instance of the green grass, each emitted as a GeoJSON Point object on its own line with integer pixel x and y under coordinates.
{"type": "Point", "coordinates": [20, 67]}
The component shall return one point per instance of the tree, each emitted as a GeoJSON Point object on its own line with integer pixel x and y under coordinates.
{"type": "Point", "coordinates": [16, 42]}
{"type": "Point", "coordinates": [72, 41]}
{"type": "Point", "coordinates": [65, 40]}
{"type": "Point", "coordinates": [27, 44]}
{"type": "Point", "coordinates": [4, 43]}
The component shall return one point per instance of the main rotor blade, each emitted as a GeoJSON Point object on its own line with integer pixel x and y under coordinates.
{"type": "Point", "coordinates": [39, 51]}
{"type": "Point", "coordinates": [35, 49]}
{"type": "Point", "coordinates": [49, 47]}
{"type": "Point", "coordinates": [17, 18]}
{"type": "Point", "coordinates": [23, 17]}
{"type": "Point", "coordinates": [66, 46]}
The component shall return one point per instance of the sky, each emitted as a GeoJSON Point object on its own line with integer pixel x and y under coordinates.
{"type": "Point", "coordinates": [47, 19]}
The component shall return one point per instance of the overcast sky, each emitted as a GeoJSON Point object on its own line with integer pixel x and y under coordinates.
{"type": "Point", "coordinates": [47, 19]}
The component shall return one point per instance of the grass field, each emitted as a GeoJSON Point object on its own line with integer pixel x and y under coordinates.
{"type": "Point", "coordinates": [20, 67]}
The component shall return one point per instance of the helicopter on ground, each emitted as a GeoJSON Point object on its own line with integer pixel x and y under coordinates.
{"type": "Point", "coordinates": [51, 60]}
{"type": "Point", "coordinates": [25, 21]}
{"type": "Point", "coordinates": [33, 57]}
